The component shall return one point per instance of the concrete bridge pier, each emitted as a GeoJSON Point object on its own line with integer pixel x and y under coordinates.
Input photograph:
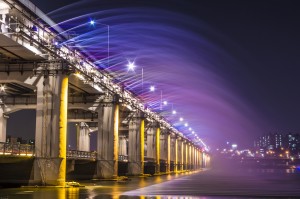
{"type": "Point", "coordinates": [153, 145]}
{"type": "Point", "coordinates": [186, 155]}
{"type": "Point", "coordinates": [83, 136]}
{"type": "Point", "coordinates": [181, 146]}
{"type": "Point", "coordinates": [51, 130]}
{"type": "Point", "coordinates": [173, 152]}
{"type": "Point", "coordinates": [196, 159]}
{"type": "Point", "coordinates": [136, 145]}
{"type": "Point", "coordinates": [163, 151]}
{"type": "Point", "coordinates": [3, 122]}
{"type": "Point", "coordinates": [200, 159]}
{"type": "Point", "coordinates": [168, 139]}
{"type": "Point", "coordinates": [192, 157]}
{"type": "Point", "coordinates": [157, 149]}
{"type": "Point", "coordinates": [108, 140]}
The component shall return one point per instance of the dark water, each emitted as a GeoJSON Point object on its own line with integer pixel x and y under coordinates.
{"type": "Point", "coordinates": [222, 181]}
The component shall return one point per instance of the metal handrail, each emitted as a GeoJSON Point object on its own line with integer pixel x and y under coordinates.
{"type": "Point", "coordinates": [74, 154]}
{"type": "Point", "coordinates": [16, 149]}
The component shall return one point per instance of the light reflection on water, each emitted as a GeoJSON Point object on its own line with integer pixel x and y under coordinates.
{"type": "Point", "coordinates": [247, 183]}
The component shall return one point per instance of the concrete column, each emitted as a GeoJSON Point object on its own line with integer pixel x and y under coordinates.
{"type": "Point", "coordinates": [168, 153]}
{"type": "Point", "coordinates": [163, 147]}
{"type": "Point", "coordinates": [108, 140]}
{"type": "Point", "coordinates": [51, 130]}
{"type": "Point", "coordinates": [151, 142]}
{"type": "Point", "coordinates": [83, 137]}
{"type": "Point", "coordinates": [122, 146]}
{"type": "Point", "coordinates": [186, 156]}
{"type": "Point", "coordinates": [182, 155]}
{"type": "Point", "coordinates": [157, 150]}
{"type": "Point", "coordinates": [136, 145]}
{"type": "Point", "coordinates": [192, 157]}
{"type": "Point", "coordinates": [203, 160]}
{"type": "Point", "coordinates": [163, 150]}
{"type": "Point", "coordinates": [196, 159]}
{"type": "Point", "coordinates": [3, 122]}
{"type": "Point", "coordinates": [176, 155]}
{"type": "Point", "coordinates": [200, 159]}
{"type": "Point", "coordinates": [173, 152]}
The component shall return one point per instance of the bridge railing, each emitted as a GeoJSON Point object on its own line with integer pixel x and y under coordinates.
{"type": "Point", "coordinates": [74, 154]}
{"type": "Point", "coordinates": [16, 149]}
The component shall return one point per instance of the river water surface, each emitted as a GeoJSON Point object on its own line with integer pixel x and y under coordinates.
{"type": "Point", "coordinates": [218, 182]}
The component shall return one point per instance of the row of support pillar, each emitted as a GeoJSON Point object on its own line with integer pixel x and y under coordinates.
{"type": "Point", "coordinates": [162, 146]}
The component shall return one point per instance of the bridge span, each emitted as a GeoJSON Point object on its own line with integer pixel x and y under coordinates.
{"type": "Point", "coordinates": [63, 86]}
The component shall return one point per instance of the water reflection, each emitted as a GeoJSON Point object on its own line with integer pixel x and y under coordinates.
{"type": "Point", "coordinates": [213, 183]}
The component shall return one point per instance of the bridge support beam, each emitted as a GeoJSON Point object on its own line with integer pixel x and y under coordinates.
{"type": "Point", "coordinates": [172, 151]}
{"type": "Point", "coordinates": [51, 130]}
{"type": "Point", "coordinates": [168, 136]}
{"type": "Point", "coordinates": [157, 150]}
{"type": "Point", "coordinates": [136, 145]}
{"type": "Point", "coordinates": [181, 155]}
{"type": "Point", "coordinates": [191, 157]}
{"type": "Point", "coordinates": [153, 145]}
{"type": "Point", "coordinates": [83, 137]}
{"type": "Point", "coordinates": [200, 159]}
{"type": "Point", "coordinates": [163, 150]}
{"type": "Point", "coordinates": [108, 140]}
{"type": "Point", "coordinates": [186, 155]}
{"type": "Point", "coordinates": [3, 122]}
{"type": "Point", "coordinates": [175, 140]}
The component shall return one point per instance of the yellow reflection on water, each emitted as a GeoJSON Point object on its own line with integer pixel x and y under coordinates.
{"type": "Point", "coordinates": [72, 193]}
{"type": "Point", "coordinates": [67, 193]}
{"type": "Point", "coordinates": [61, 193]}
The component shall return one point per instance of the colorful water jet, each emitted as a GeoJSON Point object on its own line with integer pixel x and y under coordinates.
{"type": "Point", "coordinates": [172, 51]}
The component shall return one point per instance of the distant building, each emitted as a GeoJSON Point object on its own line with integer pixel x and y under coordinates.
{"type": "Point", "coordinates": [293, 143]}
{"type": "Point", "coordinates": [271, 141]}
{"type": "Point", "coordinates": [277, 144]}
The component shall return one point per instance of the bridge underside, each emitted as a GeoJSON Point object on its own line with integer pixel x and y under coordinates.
{"type": "Point", "coordinates": [62, 86]}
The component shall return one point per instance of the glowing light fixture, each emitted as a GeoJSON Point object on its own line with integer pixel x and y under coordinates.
{"type": "Point", "coordinates": [130, 66]}
{"type": "Point", "coordinates": [181, 119]}
{"type": "Point", "coordinates": [92, 22]}
{"type": "Point", "coordinates": [190, 129]}
{"type": "Point", "coordinates": [174, 112]}
{"type": "Point", "coordinates": [165, 103]}
{"type": "Point", "coordinates": [2, 88]}
{"type": "Point", "coordinates": [186, 124]}
{"type": "Point", "coordinates": [152, 88]}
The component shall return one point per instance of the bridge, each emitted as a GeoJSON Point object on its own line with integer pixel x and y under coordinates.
{"type": "Point", "coordinates": [63, 86]}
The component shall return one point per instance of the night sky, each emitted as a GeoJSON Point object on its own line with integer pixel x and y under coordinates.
{"type": "Point", "coordinates": [235, 64]}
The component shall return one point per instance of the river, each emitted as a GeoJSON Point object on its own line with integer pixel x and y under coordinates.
{"type": "Point", "coordinates": [221, 181]}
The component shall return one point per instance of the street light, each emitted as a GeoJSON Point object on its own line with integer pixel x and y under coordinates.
{"type": "Point", "coordinates": [152, 88]}
{"type": "Point", "coordinates": [131, 66]}
{"type": "Point", "coordinates": [2, 88]}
